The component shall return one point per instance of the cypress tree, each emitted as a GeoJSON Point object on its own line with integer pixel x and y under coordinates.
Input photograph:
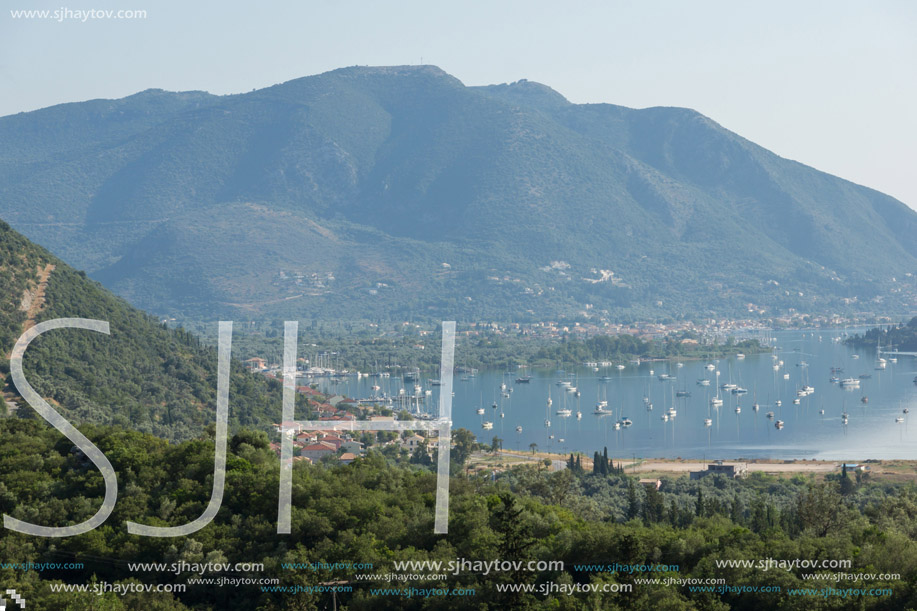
{"type": "Point", "coordinates": [633, 506]}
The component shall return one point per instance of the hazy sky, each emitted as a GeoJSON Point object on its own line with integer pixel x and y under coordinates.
{"type": "Point", "coordinates": [831, 84]}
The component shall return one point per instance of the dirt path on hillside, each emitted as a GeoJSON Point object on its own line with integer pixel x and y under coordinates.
{"type": "Point", "coordinates": [36, 299]}
{"type": "Point", "coordinates": [32, 302]}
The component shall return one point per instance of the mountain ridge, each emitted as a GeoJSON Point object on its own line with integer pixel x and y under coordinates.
{"type": "Point", "coordinates": [393, 171]}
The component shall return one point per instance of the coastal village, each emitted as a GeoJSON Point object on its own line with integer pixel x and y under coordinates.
{"type": "Point", "coordinates": [343, 447]}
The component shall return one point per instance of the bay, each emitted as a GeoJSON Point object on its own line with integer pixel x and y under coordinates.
{"type": "Point", "coordinates": [803, 358]}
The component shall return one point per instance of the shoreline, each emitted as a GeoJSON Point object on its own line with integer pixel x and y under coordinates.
{"type": "Point", "coordinates": [505, 459]}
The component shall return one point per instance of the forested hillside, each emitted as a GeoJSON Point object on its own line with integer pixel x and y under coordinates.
{"type": "Point", "coordinates": [142, 376]}
{"type": "Point", "coordinates": [379, 510]}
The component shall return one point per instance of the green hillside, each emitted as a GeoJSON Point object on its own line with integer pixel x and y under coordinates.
{"type": "Point", "coordinates": [353, 524]}
{"type": "Point", "coordinates": [142, 376]}
{"type": "Point", "coordinates": [398, 192]}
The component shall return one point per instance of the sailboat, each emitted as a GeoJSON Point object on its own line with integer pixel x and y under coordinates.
{"type": "Point", "coordinates": [880, 362]}
{"type": "Point", "coordinates": [716, 401]}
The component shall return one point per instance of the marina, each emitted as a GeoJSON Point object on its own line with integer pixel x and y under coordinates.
{"type": "Point", "coordinates": [824, 400]}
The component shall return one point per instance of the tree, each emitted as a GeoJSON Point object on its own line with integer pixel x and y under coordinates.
{"type": "Point", "coordinates": [653, 505]}
{"type": "Point", "coordinates": [496, 444]}
{"type": "Point", "coordinates": [463, 443]}
{"type": "Point", "coordinates": [421, 456]}
{"type": "Point", "coordinates": [699, 508]}
{"type": "Point", "coordinates": [846, 485]}
{"type": "Point", "coordinates": [818, 509]}
{"type": "Point", "coordinates": [633, 505]}
{"type": "Point", "coordinates": [758, 515]}
{"type": "Point", "coordinates": [737, 513]}
{"type": "Point", "coordinates": [515, 541]}
{"type": "Point", "coordinates": [533, 446]}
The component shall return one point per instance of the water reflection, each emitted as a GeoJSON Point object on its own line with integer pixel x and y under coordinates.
{"type": "Point", "coordinates": [668, 407]}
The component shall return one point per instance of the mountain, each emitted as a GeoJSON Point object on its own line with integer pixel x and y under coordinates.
{"type": "Point", "coordinates": [142, 376]}
{"type": "Point", "coordinates": [399, 191]}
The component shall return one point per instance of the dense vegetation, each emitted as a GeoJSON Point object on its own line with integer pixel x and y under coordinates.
{"type": "Point", "coordinates": [18, 273]}
{"type": "Point", "coordinates": [380, 510]}
{"type": "Point", "coordinates": [397, 347]}
{"type": "Point", "coordinates": [142, 376]}
{"type": "Point", "coordinates": [401, 193]}
{"type": "Point", "coordinates": [901, 337]}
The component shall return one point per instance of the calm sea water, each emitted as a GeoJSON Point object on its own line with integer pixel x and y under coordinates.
{"type": "Point", "coordinates": [808, 358]}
